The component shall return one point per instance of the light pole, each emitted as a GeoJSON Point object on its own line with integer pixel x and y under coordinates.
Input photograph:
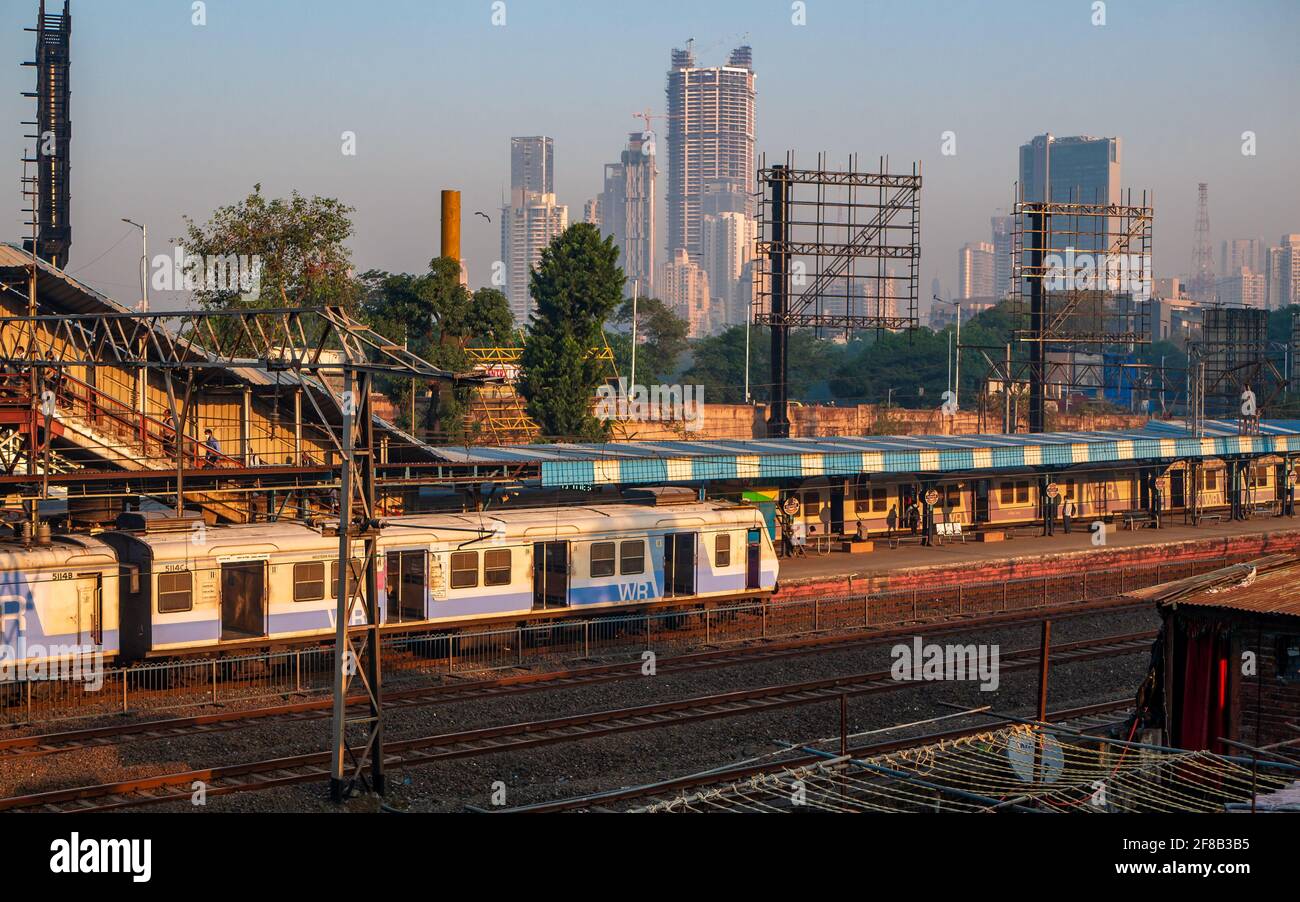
{"type": "Point", "coordinates": [144, 263]}
{"type": "Point", "coordinates": [956, 369]}
{"type": "Point", "coordinates": [144, 308]}
{"type": "Point", "coordinates": [636, 291]}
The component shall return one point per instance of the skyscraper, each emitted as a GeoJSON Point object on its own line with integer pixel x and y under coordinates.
{"type": "Point", "coordinates": [1001, 256]}
{"type": "Point", "coordinates": [726, 245]}
{"type": "Point", "coordinates": [528, 224]}
{"type": "Point", "coordinates": [975, 271]}
{"type": "Point", "coordinates": [1080, 169]}
{"type": "Point", "coordinates": [532, 165]}
{"type": "Point", "coordinates": [684, 289]}
{"type": "Point", "coordinates": [627, 210]}
{"type": "Point", "coordinates": [1282, 273]}
{"type": "Point", "coordinates": [1239, 253]}
{"type": "Point", "coordinates": [710, 140]}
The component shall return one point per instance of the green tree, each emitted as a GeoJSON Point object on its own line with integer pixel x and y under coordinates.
{"type": "Point", "coordinates": [438, 318]}
{"type": "Point", "coordinates": [300, 244]}
{"type": "Point", "coordinates": [661, 340]}
{"type": "Point", "coordinates": [576, 285]}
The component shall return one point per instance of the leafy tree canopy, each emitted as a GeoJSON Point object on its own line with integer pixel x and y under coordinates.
{"type": "Point", "coordinates": [575, 286]}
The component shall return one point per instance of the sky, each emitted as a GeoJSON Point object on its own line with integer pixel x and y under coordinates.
{"type": "Point", "coordinates": [171, 118]}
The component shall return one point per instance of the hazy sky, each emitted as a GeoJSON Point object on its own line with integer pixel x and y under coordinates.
{"type": "Point", "coordinates": [171, 119]}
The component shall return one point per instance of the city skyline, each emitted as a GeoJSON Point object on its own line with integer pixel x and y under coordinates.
{"type": "Point", "coordinates": [155, 150]}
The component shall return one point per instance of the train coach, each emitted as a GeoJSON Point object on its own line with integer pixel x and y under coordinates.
{"type": "Point", "coordinates": [58, 604]}
{"type": "Point", "coordinates": [190, 588]}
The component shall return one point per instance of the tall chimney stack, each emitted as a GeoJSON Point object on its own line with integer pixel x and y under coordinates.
{"type": "Point", "coordinates": [450, 224]}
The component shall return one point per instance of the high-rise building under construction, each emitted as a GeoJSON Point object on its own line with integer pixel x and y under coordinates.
{"type": "Point", "coordinates": [627, 210]}
{"type": "Point", "coordinates": [710, 141]}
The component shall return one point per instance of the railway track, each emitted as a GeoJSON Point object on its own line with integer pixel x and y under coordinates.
{"type": "Point", "coordinates": [284, 771]}
{"type": "Point", "coordinates": [41, 744]}
{"type": "Point", "coordinates": [1085, 718]}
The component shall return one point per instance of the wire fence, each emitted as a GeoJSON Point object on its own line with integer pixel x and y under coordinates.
{"type": "Point", "coordinates": [169, 685]}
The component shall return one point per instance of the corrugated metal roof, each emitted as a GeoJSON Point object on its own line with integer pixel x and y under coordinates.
{"type": "Point", "coordinates": [661, 462]}
{"type": "Point", "coordinates": [56, 285]}
{"type": "Point", "coordinates": [1274, 592]}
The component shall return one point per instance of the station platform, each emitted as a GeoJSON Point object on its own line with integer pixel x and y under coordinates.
{"type": "Point", "coordinates": [1031, 555]}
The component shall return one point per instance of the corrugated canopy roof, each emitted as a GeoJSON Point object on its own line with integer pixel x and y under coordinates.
{"type": "Point", "coordinates": [1271, 592]}
{"type": "Point", "coordinates": [659, 462]}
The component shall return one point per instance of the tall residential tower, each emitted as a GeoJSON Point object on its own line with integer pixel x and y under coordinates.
{"type": "Point", "coordinates": [627, 210]}
{"type": "Point", "coordinates": [710, 142]}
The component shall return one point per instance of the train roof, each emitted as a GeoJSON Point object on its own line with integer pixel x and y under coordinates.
{"type": "Point", "coordinates": [592, 519]}
{"type": "Point", "coordinates": [62, 551]}
{"type": "Point", "coordinates": [760, 460]}
{"type": "Point", "coordinates": [521, 523]}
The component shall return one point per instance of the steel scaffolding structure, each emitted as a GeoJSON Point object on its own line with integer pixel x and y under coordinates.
{"type": "Point", "coordinates": [48, 193]}
{"type": "Point", "coordinates": [840, 250]}
{"type": "Point", "coordinates": [1234, 357]}
{"type": "Point", "coordinates": [180, 345]}
{"type": "Point", "coordinates": [1081, 274]}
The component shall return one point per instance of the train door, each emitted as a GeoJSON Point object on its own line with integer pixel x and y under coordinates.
{"type": "Point", "coordinates": [837, 510]}
{"type": "Point", "coordinates": [981, 501]}
{"type": "Point", "coordinates": [550, 574]}
{"type": "Point", "coordinates": [1177, 489]}
{"type": "Point", "coordinates": [90, 611]}
{"type": "Point", "coordinates": [679, 564]}
{"type": "Point", "coordinates": [405, 585]}
{"type": "Point", "coordinates": [753, 559]}
{"type": "Point", "coordinates": [243, 600]}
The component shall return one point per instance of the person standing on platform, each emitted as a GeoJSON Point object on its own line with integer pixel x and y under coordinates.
{"type": "Point", "coordinates": [891, 520]}
{"type": "Point", "coordinates": [1067, 514]}
{"type": "Point", "coordinates": [1155, 506]}
{"type": "Point", "coordinates": [1049, 516]}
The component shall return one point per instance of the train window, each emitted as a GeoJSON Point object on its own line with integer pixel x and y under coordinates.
{"type": "Point", "coordinates": [1069, 489]}
{"type": "Point", "coordinates": [631, 557]}
{"type": "Point", "coordinates": [812, 504]}
{"type": "Point", "coordinates": [1209, 480]}
{"type": "Point", "coordinates": [722, 550]}
{"type": "Point", "coordinates": [953, 496]}
{"type": "Point", "coordinates": [1022, 492]}
{"type": "Point", "coordinates": [175, 592]}
{"type": "Point", "coordinates": [464, 569]}
{"type": "Point", "coordinates": [602, 559]}
{"type": "Point", "coordinates": [1006, 493]}
{"type": "Point", "coordinates": [309, 581]}
{"type": "Point", "coordinates": [496, 567]}
{"type": "Point", "coordinates": [354, 577]}
{"type": "Point", "coordinates": [878, 500]}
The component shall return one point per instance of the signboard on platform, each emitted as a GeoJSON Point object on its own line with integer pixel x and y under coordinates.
{"type": "Point", "coordinates": [1053, 490]}
{"type": "Point", "coordinates": [931, 497]}
{"type": "Point", "coordinates": [791, 505]}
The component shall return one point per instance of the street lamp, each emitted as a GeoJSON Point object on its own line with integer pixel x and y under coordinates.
{"type": "Point", "coordinates": [140, 391]}
{"type": "Point", "coordinates": [955, 387]}
{"type": "Point", "coordinates": [144, 263]}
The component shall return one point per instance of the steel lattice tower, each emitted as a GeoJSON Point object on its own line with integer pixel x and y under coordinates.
{"type": "Point", "coordinates": [1202, 257]}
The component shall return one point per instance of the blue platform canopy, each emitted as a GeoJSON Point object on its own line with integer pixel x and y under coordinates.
{"type": "Point", "coordinates": [762, 460]}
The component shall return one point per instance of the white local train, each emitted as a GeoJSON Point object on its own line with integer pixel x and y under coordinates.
{"type": "Point", "coordinates": [174, 586]}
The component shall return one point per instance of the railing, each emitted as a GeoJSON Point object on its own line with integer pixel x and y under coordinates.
{"type": "Point", "coordinates": [191, 682]}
